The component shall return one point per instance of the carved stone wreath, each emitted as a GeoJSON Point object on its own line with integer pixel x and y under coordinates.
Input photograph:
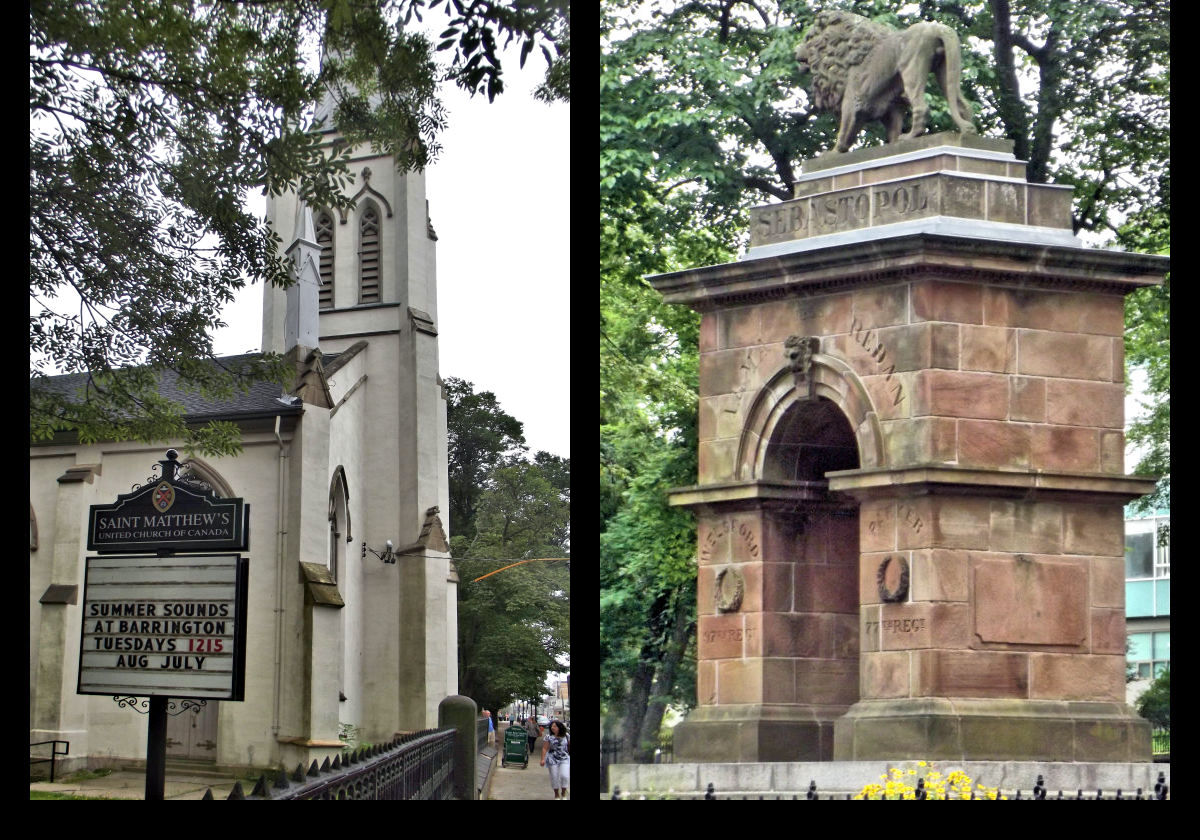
{"type": "Point", "coordinates": [900, 593]}
{"type": "Point", "coordinates": [729, 590]}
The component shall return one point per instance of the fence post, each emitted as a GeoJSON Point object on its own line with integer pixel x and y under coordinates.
{"type": "Point", "coordinates": [459, 712]}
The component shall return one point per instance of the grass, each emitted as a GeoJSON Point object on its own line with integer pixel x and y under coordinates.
{"type": "Point", "coordinates": [45, 794]}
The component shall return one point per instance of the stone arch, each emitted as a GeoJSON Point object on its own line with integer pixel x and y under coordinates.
{"type": "Point", "coordinates": [834, 382]}
{"type": "Point", "coordinates": [204, 471]}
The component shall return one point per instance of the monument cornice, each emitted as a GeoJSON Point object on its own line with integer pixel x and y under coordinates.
{"type": "Point", "coordinates": [1027, 485]}
{"type": "Point", "coordinates": [893, 259]}
{"type": "Point", "coordinates": [754, 493]}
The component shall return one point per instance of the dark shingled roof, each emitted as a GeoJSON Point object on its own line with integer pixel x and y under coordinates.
{"type": "Point", "coordinates": [262, 397]}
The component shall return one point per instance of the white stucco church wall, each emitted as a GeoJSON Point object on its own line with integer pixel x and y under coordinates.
{"type": "Point", "coordinates": [355, 453]}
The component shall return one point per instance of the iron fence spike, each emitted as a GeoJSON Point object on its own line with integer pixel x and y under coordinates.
{"type": "Point", "coordinates": [237, 792]}
{"type": "Point", "coordinates": [261, 787]}
{"type": "Point", "coordinates": [281, 780]}
{"type": "Point", "coordinates": [207, 796]}
{"type": "Point", "coordinates": [324, 765]}
{"type": "Point", "coordinates": [298, 774]}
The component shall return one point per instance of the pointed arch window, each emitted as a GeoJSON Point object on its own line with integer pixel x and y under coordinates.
{"type": "Point", "coordinates": [368, 255]}
{"type": "Point", "coordinates": [339, 521]}
{"type": "Point", "coordinates": [324, 225]}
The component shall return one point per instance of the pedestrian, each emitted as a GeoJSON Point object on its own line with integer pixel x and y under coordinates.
{"type": "Point", "coordinates": [491, 727]}
{"type": "Point", "coordinates": [531, 730]}
{"type": "Point", "coordinates": [556, 755]}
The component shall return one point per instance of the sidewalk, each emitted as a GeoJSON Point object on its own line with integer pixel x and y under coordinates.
{"type": "Point", "coordinates": [515, 782]}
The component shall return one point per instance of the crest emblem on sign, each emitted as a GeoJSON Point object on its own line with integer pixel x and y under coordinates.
{"type": "Point", "coordinates": [163, 497]}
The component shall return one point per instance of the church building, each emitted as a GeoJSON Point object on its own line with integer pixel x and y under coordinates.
{"type": "Point", "coordinates": [352, 605]}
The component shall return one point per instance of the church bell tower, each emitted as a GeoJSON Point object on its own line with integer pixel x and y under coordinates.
{"type": "Point", "coordinates": [377, 298]}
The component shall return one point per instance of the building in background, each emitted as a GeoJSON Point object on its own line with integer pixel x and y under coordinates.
{"type": "Point", "coordinates": [1147, 597]}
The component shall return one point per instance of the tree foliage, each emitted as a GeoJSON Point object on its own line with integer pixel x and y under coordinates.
{"type": "Point", "coordinates": [514, 625]}
{"type": "Point", "coordinates": [482, 438]}
{"type": "Point", "coordinates": [1155, 704]}
{"type": "Point", "coordinates": [152, 121]}
{"type": "Point", "coordinates": [703, 115]}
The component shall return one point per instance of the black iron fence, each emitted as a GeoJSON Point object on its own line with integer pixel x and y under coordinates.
{"type": "Point", "coordinates": [416, 766]}
{"type": "Point", "coordinates": [1160, 742]}
{"type": "Point", "coordinates": [613, 752]}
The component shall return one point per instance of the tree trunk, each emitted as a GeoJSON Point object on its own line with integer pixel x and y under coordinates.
{"type": "Point", "coordinates": [682, 627]}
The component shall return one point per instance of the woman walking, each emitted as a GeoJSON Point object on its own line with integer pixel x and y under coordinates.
{"type": "Point", "coordinates": [556, 754]}
{"type": "Point", "coordinates": [532, 732]}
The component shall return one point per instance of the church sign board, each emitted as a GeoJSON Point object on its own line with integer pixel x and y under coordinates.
{"type": "Point", "coordinates": [167, 515]}
{"type": "Point", "coordinates": [165, 626]}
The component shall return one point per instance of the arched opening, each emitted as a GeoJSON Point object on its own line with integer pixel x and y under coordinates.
{"type": "Point", "coordinates": [812, 437]}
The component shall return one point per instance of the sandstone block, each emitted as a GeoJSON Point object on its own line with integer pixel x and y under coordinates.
{"type": "Point", "coordinates": [943, 673]}
{"type": "Point", "coordinates": [777, 587]}
{"type": "Point", "coordinates": [1085, 404]}
{"type": "Point", "coordinates": [712, 540]}
{"type": "Point", "coordinates": [950, 626]}
{"type": "Point", "coordinates": [884, 675]}
{"type": "Point", "coordinates": [1006, 202]}
{"type": "Point", "coordinates": [938, 300]}
{"type": "Point", "coordinates": [1027, 399]}
{"type": "Point", "coordinates": [877, 526]}
{"type": "Point", "coordinates": [868, 629]}
{"type": "Point", "coordinates": [792, 634]}
{"type": "Point", "coordinates": [740, 327]}
{"type": "Point", "coordinates": [826, 681]}
{"type": "Point", "coordinates": [1108, 631]}
{"type": "Point", "coordinates": [1024, 601]}
{"type": "Point", "coordinates": [940, 575]}
{"type": "Point", "coordinates": [716, 460]}
{"type": "Point", "coordinates": [1049, 207]}
{"type": "Point", "coordinates": [720, 636]}
{"type": "Point", "coordinates": [740, 681]}
{"type": "Point", "coordinates": [706, 682]}
{"type": "Point", "coordinates": [1064, 355]}
{"type": "Point", "coordinates": [1065, 448]}
{"type": "Point", "coordinates": [882, 306]}
{"type": "Point", "coordinates": [945, 522]}
{"type": "Point", "coordinates": [945, 346]}
{"type": "Point", "coordinates": [905, 626]}
{"type": "Point", "coordinates": [1094, 529]}
{"type": "Point", "coordinates": [985, 443]}
{"type": "Point", "coordinates": [989, 349]}
{"type": "Point", "coordinates": [1027, 527]}
{"type": "Point", "coordinates": [948, 393]}
{"type": "Point", "coordinates": [1077, 677]}
{"type": "Point", "coordinates": [1108, 582]}
{"type": "Point", "coordinates": [826, 588]}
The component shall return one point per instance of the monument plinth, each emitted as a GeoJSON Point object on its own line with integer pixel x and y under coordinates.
{"type": "Point", "coordinates": [911, 470]}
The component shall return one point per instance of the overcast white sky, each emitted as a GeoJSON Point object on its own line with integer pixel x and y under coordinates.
{"type": "Point", "coordinates": [499, 199]}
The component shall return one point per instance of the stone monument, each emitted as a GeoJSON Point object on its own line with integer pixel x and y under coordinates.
{"type": "Point", "coordinates": [911, 470]}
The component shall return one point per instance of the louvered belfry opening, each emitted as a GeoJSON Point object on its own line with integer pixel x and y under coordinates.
{"type": "Point", "coordinates": [325, 240]}
{"type": "Point", "coordinates": [368, 255]}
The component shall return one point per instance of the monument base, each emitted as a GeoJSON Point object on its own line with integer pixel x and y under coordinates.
{"type": "Point", "coordinates": [757, 733]}
{"type": "Point", "coordinates": [991, 730]}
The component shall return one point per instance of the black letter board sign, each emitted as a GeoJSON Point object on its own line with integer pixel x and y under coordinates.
{"type": "Point", "coordinates": [169, 515]}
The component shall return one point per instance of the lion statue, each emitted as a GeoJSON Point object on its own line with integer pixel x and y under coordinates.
{"type": "Point", "coordinates": [867, 71]}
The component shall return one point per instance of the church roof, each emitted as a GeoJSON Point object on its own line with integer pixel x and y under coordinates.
{"type": "Point", "coordinates": [262, 398]}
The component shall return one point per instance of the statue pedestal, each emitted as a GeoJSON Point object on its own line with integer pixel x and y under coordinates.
{"type": "Point", "coordinates": [911, 486]}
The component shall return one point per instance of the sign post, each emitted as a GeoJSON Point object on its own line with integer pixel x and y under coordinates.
{"type": "Point", "coordinates": [160, 623]}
